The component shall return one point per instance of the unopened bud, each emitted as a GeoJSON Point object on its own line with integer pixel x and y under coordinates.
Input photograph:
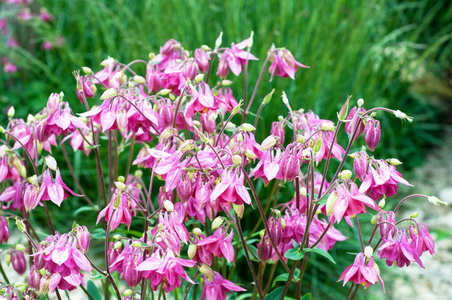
{"type": "Point", "coordinates": [20, 224]}
{"type": "Point", "coordinates": [330, 203]}
{"type": "Point", "coordinates": [11, 112]}
{"type": "Point", "coordinates": [139, 79]}
{"type": "Point", "coordinates": [2, 129]}
{"type": "Point", "coordinates": [30, 118]}
{"type": "Point", "coordinates": [268, 143]}
{"type": "Point", "coordinates": [403, 116]}
{"type": "Point", "coordinates": [342, 115]}
{"type": "Point", "coordinates": [111, 92]}
{"type": "Point", "coordinates": [117, 236]}
{"type": "Point", "coordinates": [226, 82]}
{"type": "Point", "coordinates": [283, 224]}
{"type": "Point", "coordinates": [394, 161]}
{"type": "Point", "coordinates": [327, 126]}
{"type": "Point", "coordinates": [262, 233]}
{"type": "Point", "coordinates": [300, 138]}
{"type": "Point", "coordinates": [8, 259]}
{"type": "Point", "coordinates": [136, 244]}
{"type": "Point", "coordinates": [382, 203]}
{"type": "Point", "coordinates": [236, 109]}
{"type": "Point", "coordinates": [206, 271]}
{"type": "Point", "coordinates": [247, 127]}
{"type": "Point", "coordinates": [138, 173]}
{"type": "Point", "coordinates": [434, 200]}
{"type": "Point", "coordinates": [218, 41]}
{"type": "Point", "coordinates": [196, 231]}
{"type": "Point", "coordinates": [120, 185]}
{"type": "Point", "coordinates": [237, 160]}
{"type": "Point", "coordinates": [373, 220]}
{"type": "Point", "coordinates": [51, 162]}
{"type": "Point", "coordinates": [192, 250]}
{"type": "Point", "coordinates": [20, 247]}
{"type": "Point", "coordinates": [199, 77]}
{"type": "Point", "coordinates": [303, 191]}
{"type": "Point", "coordinates": [268, 97]}
{"type": "Point", "coordinates": [128, 292]}
{"type": "Point", "coordinates": [368, 252]}
{"type": "Point", "coordinates": [187, 145]}
{"type": "Point", "coordinates": [284, 98]}
{"type": "Point", "coordinates": [168, 205]}
{"type": "Point", "coordinates": [250, 154]}
{"type": "Point", "coordinates": [360, 102]}
{"type": "Point", "coordinates": [345, 174]}
{"type": "Point", "coordinates": [117, 245]}
{"type": "Point", "coordinates": [217, 222]}
{"type": "Point", "coordinates": [87, 70]}
{"type": "Point", "coordinates": [107, 62]}
{"type": "Point", "coordinates": [239, 209]}
{"type": "Point", "coordinates": [151, 55]}
{"type": "Point", "coordinates": [164, 92]}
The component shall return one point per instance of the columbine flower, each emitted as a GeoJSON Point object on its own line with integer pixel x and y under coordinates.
{"type": "Point", "coordinates": [126, 264]}
{"type": "Point", "coordinates": [18, 261]}
{"type": "Point", "coordinates": [230, 190]}
{"type": "Point", "coordinates": [4, 230]}
{"type": "Point", "coordinates": [117, 211]}
{"type": "Point", "coordinates": [54, 191]}
{"type": "Point", "coordinates": [202, 101]}
{"type": "Point", "coordinates": [422, 240]}
{"type": "Point", "coordinates": [216, 287]}
{"type": "Point", "coordinates": [283, 63]}
{"type": "Point", "coordinates": [355, 123]}
{"type": "Point", "coordinates": [219, 244]}
{"type": "Point", "coordinates": [234, 58]}
{"type": "Point", "coordinates": [362, 273]}
{"type": "Point", "coordinates": [350, 202]}
{"type": "Point", "coordinates": [372, 133]}
{"type": "Point", "coordinates": [400, 250]}
{"type": "Point", "coordinates": [381, 180]}
{"type": "Point", "coordinates": [167, 270]}
{"type": "Point", "coordinates": [360, 163]}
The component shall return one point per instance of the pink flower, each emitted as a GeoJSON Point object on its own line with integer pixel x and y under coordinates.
{"type": "Point", "coordinates": [219, 244]}
{"type": "Point", "coordinates": [167, 269]}
{"type": "Point", "coordinates": [360, 163]}
{"type": "Point", "coordinates": [268, 167]}
{"type": "Point", "coordinates": [171, 231]}
{"type": "Point", "coordinates": [47, 45]}
{"type": "Point", "coordinates": [202, 60]}
{"type": "Point", "coordinates": [9, 67]}
{"type": "Point", "coordinates": [422, 240]}
{"type": "Point", "coordinates": [355, 123]}
{"type": "Point", "coordinates": [4, 26]}
{"type": "Point", "coordinates": [381, 180]}
{"type": "Point", "coordinates": [290, 164]}
{"type": "Point", "coordinates": [350, 202]}
{"type": "Point", "coordinates": [153, 80]}
{"type": "Point", "coordinates": [169, 53]}
{"type": "Point", "coordinates": [386, 230]}
{"type": "Point", "coordinates": [54, 191]}
{"type": "Point", "coordinates": [45, 16]}
{"type": "Point", "coordinates": [202, 101]}
{"type": "Point", "coordinates": [283, 61]}
{"type": "Point", "coordinates": [234, 58]}
{"type": "Point", "coordinates": [372, 133]}
{"type": "Point", "coordinates": [18, 261]}
{"type": "Point", "coordinates": [117, 211]}
{"type": "Point", "coordinates": [4, 230]}
{"type": "Point", "coordinates": [12, 43]}
{"type": "Point", "coordinates": [362, 273]}
{"type": "Point", "coordinates": [400, 250]}
{"type": "Point", "coordinates": [15, 194]}
{"type": "Point", "coordinates": [230, 190]}
{"type": "Point", "coordinates": [217, 287]}
{"type": "Point", "coordinates": [126, 264]}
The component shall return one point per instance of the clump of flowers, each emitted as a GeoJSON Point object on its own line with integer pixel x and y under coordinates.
{"type": "Point", "coordinates": [176, 221]}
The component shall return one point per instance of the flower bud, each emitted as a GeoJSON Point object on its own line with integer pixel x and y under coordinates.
{"type": "Point", "coordinates": [342, 115]}
{"type": "Point", "coordinates": [394, 161]}
{"type": "Point", "coordinates": [372, 134]}
{"type": "Point", "coordinates": [18, 261]}
{"type": "Point", "coordinates": [239, 209]}
{"type": "Point", "coordinates": [44, 284]}
{"type": "Point", "coordinates": [382, 203]}
{"type": "Point", "coordinates": [199, 77]}
{"type": "Point", "coordinates": [217, 222]}
{"type": "Point", "coordinates": [4, 230]}
{"type": "Point", "coordinates": [236, 109]}
{"type": "Point", "coordinates": [192, 250]}
{"type": "Point", "coordinates": [330, 203]}
{"type": "Point", "coordinates": [414, 215]}
{"type": "Point", "coordinates": [139, 79]}
{"type": "Point", "coordinates": [250, 154]}
{"type": "Point", "coordinates": [368, 251]}
{"type": "Point", "coordinates": [83, 238]}
{"type": "Point", "coordinates": [345, 174]}
{"type": "Point", "coordinates": [117, 245]}
{"type": "Point", "coordinates": [111, 92]}
{"type": "Point", "coordinates": [87, 70]}
{"type": "Point", "coordinates": [237, 160]}
{"type": "Point", "coordinates": [360, 164]}
{"type": "Point", "coordinates": [226, 82]}
{"type": "Point", "coordinates": [50, 162]}
{"type": "Point", "coordinates": [11, 112]}
{"type": "Point", "coordinates": [20, 247]}
{"type": "Point", "coordinates": [206, 271]}
{"type": "Point", "coordinates": [120, 185]}
{"type": "Point", "coordinates": [20, 224]}
{"type": "Point", "coordinates": [247, 127]}
{"type": "Point", "coordinates": [164, 92]}
{"type": "Point", "coordinates": [7, 259]}
{"type": "Point", "coordinates": [196, 231]}
{"type": "Point", "coordinates": [360, 102]}
{"type": "Point", "coordinates": [268, 97]}
{"type": "Point", "coordinates": [403, 116]}
{"type": "Point", "coordinates": [219, 41]}
{"type": "Point", "coordinates": [34, 277]}
{"type": "Point", "coordinates": [268, 143]}
{"type": "Point", "coordinates": [327, 126]}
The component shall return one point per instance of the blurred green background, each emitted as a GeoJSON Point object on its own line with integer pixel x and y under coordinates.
{"type": "Point", "coordinates": [395, 54]}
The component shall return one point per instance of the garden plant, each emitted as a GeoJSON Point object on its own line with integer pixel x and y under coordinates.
{"type": "Point", "coordinates": [179, 170]}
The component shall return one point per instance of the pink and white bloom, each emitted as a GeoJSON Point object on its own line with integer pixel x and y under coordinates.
{"type": "Point", "coordinates": [230, 190]}
{"type": "Point", "coordinates": [399, 250]}
{"type": "Point", "coordinates": [217, 287]}
{"type": "Point", "coordinates": [361, 272]}
{"type": "Point", "coordinates": [283, 63]}
{"type": "Point", "coordinates": [219, 244]}
{"type": "Point", "coordinates": [117, 211]}
{"type": "Point", "coordinates": [234, 58]}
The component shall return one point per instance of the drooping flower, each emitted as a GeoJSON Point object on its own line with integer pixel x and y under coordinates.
{"type": "Point", "coordinates": [219, 244]}
{"type": "Point", "coordinates": [234, 58]}
{"type": "Point", "coordinates": [231, 190]}
{"type": "Point", "coordinates": [4, 230]}
{"type": "Point", "coordinates": [216, 287]}
{"type": "Point", "coordinates": [361, 272]}
{"type": "Point", "coordinates": [117, 211]}
{"type": "Point", "coordinates": [372, 133]}
{"type": "Point", "coordinates": [399, 250]}
{"type": "Point", "coordinates": [283, 63]}
{"type": "Point", "coordinates": [54, 191]}
{"type": "Point", "coordinates": [126, 264]}
{"type": "Point", "coordinates": [18, 261]}
{"type": "Point", "coordinates": [165, 269]}
{"type": "Point", "coordinates": [421, 240]}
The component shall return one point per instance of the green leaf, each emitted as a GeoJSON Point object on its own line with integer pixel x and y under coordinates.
{"type": "Point", "coordinates": [93, 291]}
{"type": "Point", "coordinates": [321, 252]}
{"type": "Point", "coordinates": [306, 296]}
{"type": "Point", "coordinates": [276, 294]}
{"type": "Point", "coordinates": [293, 254]}
{"type": "Point", "coordinates": [83, 209]}
{"type": "Point", "coordinates": [96, 275]}
{"type": "Point", "coordinates": [98, 233]}
{"type": "Point", "coordinates": [285, 277]}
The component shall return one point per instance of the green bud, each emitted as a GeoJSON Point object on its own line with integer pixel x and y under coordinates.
{"type": "Point", "coordinates": [394, 161]}
{"type": "Point", "coordinates": [250, 154]}
{"type": "Point", "coordinates": [342, 115]}
{"type": "Point", "coordinates": [120, 185]}
{"type": "Point", "coordinates": [111, 92]}
{"type": "Point", "coordinates": [20, 247]}
{"type": "Point", "coordinates": [138, 174]}
{"type": "Point", "coordinates": [217, 222]}
{"type": "Point", "coordinates": [403, 116]}
{"type": "Point", "coordinates": [382, 203]}
{"type": "Point", "coordinates": [368, 251]}
{"type": "Point", "coordinates": [50, 162]}
{"type": "Point", "coordinates": [247, 127]}
{"type": "Point", "coordinates": [206, 271]}
{"type": "Point", "coordinates": [284, 98]}
{"type": "Point", "coordinates": [7, 259]}
{"type": "Point", "coordinates": [414, 215]}
{"type": "Point", "coordinates": [136, 244]}
{"type": "Point", "coordinates": [268, 97]}
{"type": "Point", "coordinates": [226, 82]}
{"type": "Point", "coordinates": [360, 102]}
{"type": "Point", "coordinates": [2, 130]}
{"type": "Point", "coordinates": [239, 209]}
{"type": "Point", "coordinates": [11, 112]}
{"type": "Point", "coordinates": [128, 293]}
{"type": "Point", "coordinates": [435, 201]}
{"type": "Point", "coordinates": [192, 250]}
{"type": "Point", "coordinates": [164, 92]}
{"type": "Point", "coordinates": [330, 203]}
{"type": "Point", "coordinates": [87, 70]}
{"type": "Point", "coordinates": [327, 126]}
{"type": "Point", "coordinates": [151, 55]}
{"type": "Point", "coordinates": [219, 41]}
{"type": "Point", "coordinates": [268, 143]}
{"type": "Point", "coordinates": [20, 224]}
{"type": "Point", "coordinates": [237, 160]}
{"type": "Point", "coordinates": [168, 205]}
{"type": "Point", "coordinates": [374, 220]}
{"type": "Point", "coordinates": [300, 138]}
{"type": "Point", "coordinates": [345, 174]}
{"type": "Point", "coordinates": [196, 231]}
{"type": "Point", "coordinates": [107, 62]}
{"type": "Point", "coordinates": [117, 236]}
{"type": "Point", "coordinates": [199, 77]}
{"type": "Point", "coordinates": [303, 191]}
{"type": "Point", "coordinates": [117, 245]}
{"type": "Point", "coordinates": [139, 79]}
{"type": "Point", "coordinates": [236, 109]}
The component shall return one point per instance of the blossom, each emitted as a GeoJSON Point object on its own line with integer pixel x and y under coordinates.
{"type": "Point", "coordinates": [167, 269]}
{"type": "Point", "coordinates": [350, 202]}
{"type": "Point", "coordinates": [381, 179]}
{"type": "Point", "coordinates": [126, 264]}
{"type": "Point", "coordinates": [54, 191]}
{"type": "Point", "coordinates": [234, 58]}
{"type": "Point", "coordinates": [219, 244]}
{"type": "Point", "coordinates": [4, 230]}
{"type": "Point", "coordinates": [421, 240]}
{"type": "Point", "coordinates": [202, 100]}
{"type": "Point", "coordinates": [283, 63]}
{"type": "Point", "coordinates": [352, 120]}
{"type": "Point", "coordinates": [230, 190]}
{"type": "Point", "coordinates": [216, 287]}
{"type": "Point", "coordinates": [117, 211]}
{"type": "Point", "coordinates": [361, 273]}
{"type": "Point", "coordinates": [18, 261]}
{"type": "Point", "coordinates": [372, 133]}
{"type": "Point", "coordinates": [399, 250]}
